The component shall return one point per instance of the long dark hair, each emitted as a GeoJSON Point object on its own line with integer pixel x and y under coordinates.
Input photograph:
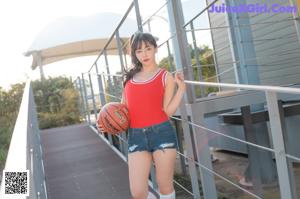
{"type": "Point", "coordinates": [136, 41]}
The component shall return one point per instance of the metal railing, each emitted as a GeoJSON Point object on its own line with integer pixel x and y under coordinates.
{"type": "Point", "coordinates": [190, 110]}
{"type": "Point", "coordinates": [25, 142]}
{"type": "Point", "coordinates": [25, 152]}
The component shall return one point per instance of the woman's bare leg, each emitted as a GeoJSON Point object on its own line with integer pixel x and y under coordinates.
{"type": "Point", "coordinates": [139, 164]}
{"type": "Point", "coordinates": [164, 168]}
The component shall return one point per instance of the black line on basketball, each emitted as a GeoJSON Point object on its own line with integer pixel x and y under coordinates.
{"type": "Point", "coordinates": [102, 122]}
{"type": "Point", "coordinates": [121, 109]}
{"type": "Point", "coordinates": [121, 128]}
{"type": "Point", "coordinates": [108, 122]}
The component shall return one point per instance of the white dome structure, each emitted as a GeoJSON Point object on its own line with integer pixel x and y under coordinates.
{"type": "Point", "coordinates": [71, 37]}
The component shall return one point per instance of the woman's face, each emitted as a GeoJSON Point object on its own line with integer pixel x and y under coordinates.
{"type": "Point", "coordinates": [146, 54]}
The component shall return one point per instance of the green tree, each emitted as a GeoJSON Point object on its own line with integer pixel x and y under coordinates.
{"type": "Point", "coordinates": [9, 106]}
{"type": "Point", "coordinates": [57, 102]}
{"type": "Point", "coordinates": [207, 66]}
{"type": "Point", "coordinates": [165, 63]}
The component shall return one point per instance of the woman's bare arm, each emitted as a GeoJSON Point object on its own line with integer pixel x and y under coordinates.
{"type": "Point", "coordinates": [171, 101]}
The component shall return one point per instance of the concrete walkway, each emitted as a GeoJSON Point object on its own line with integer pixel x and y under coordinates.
{"type": "Point", "coordinates": [78, 164]}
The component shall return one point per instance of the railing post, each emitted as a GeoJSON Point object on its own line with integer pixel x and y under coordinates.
{"type": "Point", "coordinates": [120, 51]}
{"type": "Point", "coordinates": [204, 156]}
{"type": "Point", "coordinates": [93, 97]}
{"type": "Point", "coordinates": [103, 100]}
{"type": "Point", "coordinates": [83, 110]}
{"type": "Point", "coordinates": [77, 89]}
{"type": "Point", "coordinates": [101, 89]}
{"type": "Point", "coordinates": [107, 70]}
{"type": "Point", "coordinates": [172, 67]}
{"type": "Point", "coordinates": [181, 57]}
{"type": "Point", "coordinates": [86, 99]}
{"type": "Point", "coordinates": [287, 190]}
{"type": "Point", "coordinates": [123, 147]}
{"type": "Point", "coordinates": [138, 15]}
{"type": "Point", "coordinates": [180, 45]}
{"type": "Point", "coordinates": [179, 133]}
{"type": "Point", "coordinates": [286, 139]}
{"type": "Point", "coordinates": [199, 67]}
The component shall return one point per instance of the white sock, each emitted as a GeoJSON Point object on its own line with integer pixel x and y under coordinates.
{"type": "Point", "coordinates": [151, 196]}
{"type": "Point", "coordinates": [169, 196]}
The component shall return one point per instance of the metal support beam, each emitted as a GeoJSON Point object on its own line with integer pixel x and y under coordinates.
{"type": "Point", "coordinates": [120, 51]}
{"type": "Point", "coordinates": [252, 151]}
{"type": "Point", "coordinates": [107, 70]}
{"type": "Point", "coordinates": [138, 15]}
{"type": "Point", "coordinates": [204, 157]}
{"type": "Point", "coordinates": [179, 132]}
{"type": "Point", "coordinates": [86, 99]}
{"type": "Point", "coordinates": [286, 139]}
{"type": "Point", "coordinates": [83, 107]}
{"type": "Point", "coordinates": [182, 60]}
{"type": "Point", "coordinates": [103, 100]}
{"type": "Point", "coordinates": [285, 184]}
{"type": "Point", "coordinates": [93, 97]}
{"type": "Point", "coordinates": [100, 87]}
{"type": "Point", "coordinates": [180, 45]}
{"type": "Point", "coordinates": [244, 52]}
{"type": "Point", "coordinates": [170, 59]}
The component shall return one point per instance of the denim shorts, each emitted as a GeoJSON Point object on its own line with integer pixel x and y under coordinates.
{"type": "Point", "coordinates": [151, 138]}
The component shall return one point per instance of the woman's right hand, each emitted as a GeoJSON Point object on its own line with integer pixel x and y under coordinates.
{"type": "Point", "coordinates": [179, 79]}
{"type": "Point", "coordinates": [100, 127]}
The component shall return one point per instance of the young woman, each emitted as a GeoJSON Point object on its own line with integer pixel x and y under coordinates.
{"type": "Point", "coordinates": [150, 98]}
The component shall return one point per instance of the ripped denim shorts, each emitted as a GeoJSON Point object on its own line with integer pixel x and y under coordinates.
{"type": "Point", "coordinates": [151, 138]}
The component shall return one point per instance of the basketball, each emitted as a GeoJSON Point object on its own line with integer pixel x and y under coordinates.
{"type": "Point", "coordinates": [113, 117]}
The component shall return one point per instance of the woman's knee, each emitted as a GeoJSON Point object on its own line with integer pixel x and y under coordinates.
{"type": "Point", "coordinates": [165, 186]}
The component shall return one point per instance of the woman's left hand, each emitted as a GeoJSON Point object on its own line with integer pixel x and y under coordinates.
{"type": "Point", "coordinates": [179, 79]}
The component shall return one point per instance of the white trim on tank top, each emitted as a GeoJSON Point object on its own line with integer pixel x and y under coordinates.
{"type": "Point", "coordinates": [146, 81]}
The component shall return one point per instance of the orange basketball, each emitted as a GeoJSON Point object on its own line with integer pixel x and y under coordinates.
{"type": "Point", "coordinates": [114, 117]}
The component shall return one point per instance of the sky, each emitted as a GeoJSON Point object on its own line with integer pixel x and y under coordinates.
{"type": "Point", "coordinates": [21, 21]}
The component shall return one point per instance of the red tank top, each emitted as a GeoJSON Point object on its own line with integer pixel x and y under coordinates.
{"type": "Point", "coordinates": [145, 100]}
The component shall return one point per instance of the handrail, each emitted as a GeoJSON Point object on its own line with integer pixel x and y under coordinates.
{"type": "Point", "coordinates": [249, 87]}
{"type": "Point", "coordinates": [23, 152]}
{"type": "Point", "coordinates": [18, 143]}
{"type": "Point", "coordinates": [113, 33]}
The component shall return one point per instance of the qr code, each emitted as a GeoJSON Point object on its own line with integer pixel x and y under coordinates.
{"type": "Point", "coordinates": [16, 182]}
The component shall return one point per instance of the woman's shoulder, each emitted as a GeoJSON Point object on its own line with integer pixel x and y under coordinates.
{"type": "Point", "coordinates": [167, 77]}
